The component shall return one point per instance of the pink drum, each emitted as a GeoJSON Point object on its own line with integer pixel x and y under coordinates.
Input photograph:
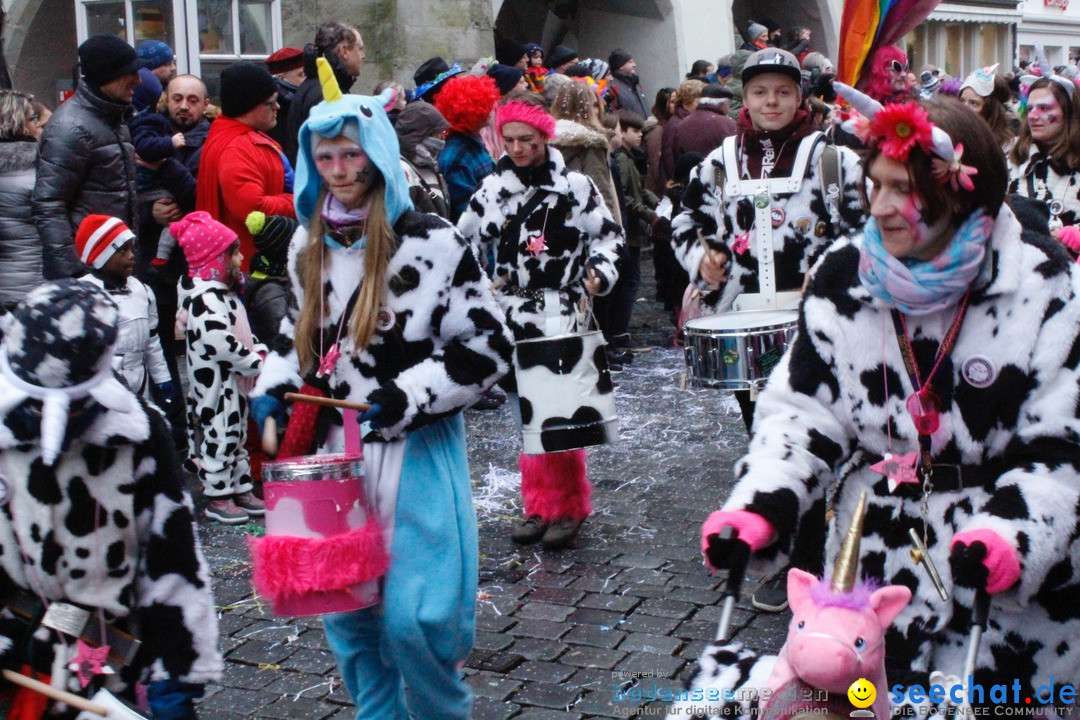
{"type": "Point", "coordinates": [323, 551]}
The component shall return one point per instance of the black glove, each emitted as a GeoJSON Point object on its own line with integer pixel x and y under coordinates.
{"type": "Point", "coordinates": [968, 569]}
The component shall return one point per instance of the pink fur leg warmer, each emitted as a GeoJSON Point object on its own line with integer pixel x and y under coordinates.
{"type": "Point", "coordinates": [754, 530]}
{"type": "Point", "coordinates": [556, 485]}
{"type": "Point", "coordinates": [286, 566]}
{"type": "Point", "coordinates": [1001, 561]}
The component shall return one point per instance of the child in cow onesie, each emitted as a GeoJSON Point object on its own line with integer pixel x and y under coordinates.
{"type": "Point", "coordinates": [95, 517]}
{"type": "Point", "coordinates": [391, 308]}
{"type": "Point", "coordinates": [105, 244]}
{"type": "Point", "coordinates": [553, 235]}
{"type": "Point", "coordinates": [935, 369]}
{"type": "Point", "coordinates": [222, 361]}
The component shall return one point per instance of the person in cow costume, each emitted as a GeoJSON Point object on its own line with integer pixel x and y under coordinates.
{"type": "Point", "coordinates": [100, 551]}
{"type": "Point", "coordinates": [936, 368]}
{"type": "Point", "coordinates": [555, 241]}
{"type": "Point", "coordinates": [390, 307]}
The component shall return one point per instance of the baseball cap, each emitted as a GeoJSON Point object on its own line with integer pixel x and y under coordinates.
{"type": "Point", "coordinates": [771, 60]}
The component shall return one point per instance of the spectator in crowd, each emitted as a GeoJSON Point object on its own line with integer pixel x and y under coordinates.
{"type": "Point", "coordinates": [723, 71]}
{"type": "Point", "coordinates": [159, 59]}
{"type": "Point", "coordinates": [137, 570]}
{"type": "Point", "coordinates": [583, 141]}
{"type": "Point", "coordinates": [798, 43]}
{"type": "Point", "coordinates": [653, 132]}
{"type": "Point", "coordinates": [553, 83]}
{"type": "Point", "coordinates": [700, 70]}
{"type": "Point", "coordinates": [242, 169]}
{"type": "Point", "coordinates": [776, 31]}
{"type": "Point", "coordinates": [20, 248]}
{"type": "Point", "coordinates": [535, 72]}
{"type": "Point", "coordinates": [267, 290]}
{"type": "Point", "coordinates": [400, 101]}
{"type": "Point", "coordinates": [988, 95]}
{"type": "Point", "coordinates": [507, 78]}
{"type": "Point", "coordinates": [928, 85]}
{"type": "Point", "coordinates": [626, 85]}
{"type": "Point", "coordinates": [165, 195]}
{"type": "Point", "coordinates": [511, 53]}
{"type": "Point", "coordinates": [432, 75]}
{"type": "Point", "coordinates": [757, 37]}
{"type": "Point", "coordinates": [86, 162]}
{"type": "Point", "coordinates": [560, 58]}
{"type": "Point", "coordinates": [466, 103]}
{"type": "Point", "coordinates": [44, 113]}
{"type": "Point", "coordinates": [420, 129]}
{"type": "Point", "coordinates": [287, 67]}
{"type": "Point", "coordinates": [672, 279]}
{"type": "Point", "coordinates": [706, 126]}
{"type": "Point", "coordinates": [106, 246]}
{"type": "Point", "coordinates": [686, 100]}
{"type": "Point", "coordinates": [887, 75]}
{"type": "Point", "coordinates": [343, 47]}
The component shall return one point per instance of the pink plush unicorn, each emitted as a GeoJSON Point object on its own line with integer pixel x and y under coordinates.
{"type": "Point", "coordinates": [837, 634]}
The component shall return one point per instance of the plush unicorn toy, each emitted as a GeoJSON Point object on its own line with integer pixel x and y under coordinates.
{"type": "Point", "coordinates": [837, 634]}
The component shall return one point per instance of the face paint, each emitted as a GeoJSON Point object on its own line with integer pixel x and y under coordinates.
{"type": "Point", "coordinates": [367, 174]}
{"type": "Point", "coordinates": [1045, 118]}
{"type": "Point", "coordinates": [345, 169]}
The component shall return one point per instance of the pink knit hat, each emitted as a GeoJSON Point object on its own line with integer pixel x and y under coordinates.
{"type": "Point", "coordinates": [204, 241]}
{"type": "Point", "coordinates": [531, 115]}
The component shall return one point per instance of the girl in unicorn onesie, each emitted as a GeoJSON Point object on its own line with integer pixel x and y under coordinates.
{"type": "Point", "coordinates": [390, 307]}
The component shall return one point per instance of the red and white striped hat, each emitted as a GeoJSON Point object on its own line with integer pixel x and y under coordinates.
{"type": "Point", "coordinates": [99, 237]}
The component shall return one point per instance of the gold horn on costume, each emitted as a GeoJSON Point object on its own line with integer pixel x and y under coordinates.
{"type": "Point", "coordinates": [331, 92]}
{"type": "Point", "coordinates": [847, 561]}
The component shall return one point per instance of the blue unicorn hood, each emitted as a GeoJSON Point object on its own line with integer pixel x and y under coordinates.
{"type": "Point", "coordinates": [363, 119]}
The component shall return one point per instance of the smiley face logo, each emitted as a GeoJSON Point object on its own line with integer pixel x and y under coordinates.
{"type": "Point", "coordinates": [862, 693]}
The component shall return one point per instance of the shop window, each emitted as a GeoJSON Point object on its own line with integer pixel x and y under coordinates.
{"type": "Point", "coordinates": [131, 20]}
{"type": "Point", "coordinates": [231, 30]}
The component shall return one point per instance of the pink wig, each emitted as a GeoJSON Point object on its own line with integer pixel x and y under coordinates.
{"type": "Point", "coordinates": [532, 115]}
{"type": "Point", "coordinates": [466, 102]}
{"type": "Point", "coordinates": [878, 85]}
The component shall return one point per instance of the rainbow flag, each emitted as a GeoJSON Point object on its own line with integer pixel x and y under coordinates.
{"type": "Point", "coordinates": [869, 24]}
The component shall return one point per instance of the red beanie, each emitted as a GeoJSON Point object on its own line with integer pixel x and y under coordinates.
{"type": "Point", "coordinates": [99, 237]}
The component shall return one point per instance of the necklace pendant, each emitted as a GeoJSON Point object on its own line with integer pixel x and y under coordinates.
{"type": "Point", "coordinates": [328, 362]}
{"type": "Point", "coordinates": [925, 409]}
{"type": "Point", "coordinates": [536, 244]}
{"type": "Point", "coordinates": [899, 469]}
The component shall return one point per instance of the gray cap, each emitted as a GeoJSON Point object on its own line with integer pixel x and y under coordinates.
{"type": "Point", "coordinates": [771, 60]}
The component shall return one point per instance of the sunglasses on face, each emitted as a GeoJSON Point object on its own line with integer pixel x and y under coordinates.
{"type": "Point", "coordinates": [897, 68]}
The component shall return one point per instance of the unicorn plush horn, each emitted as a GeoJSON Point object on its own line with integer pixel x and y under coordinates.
{"type": "Point", "coordinates": [1048, 72]}
{"type": "Point", "coordinates": [847, 561]}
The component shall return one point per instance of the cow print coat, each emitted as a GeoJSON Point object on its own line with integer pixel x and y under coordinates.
{"type": "Point", "coordinates": [578, 234]}
{"type": "Point", "coordinates": [1039, 179]}
{"type": "Point", "coordinates": [108, 526]}
{"type": "Point", "coordinates": [836, 404]}
{"type": "Point", "coordinates": [802, 234]}
{"type": "Point", "coordinates": [218, 365]}
{"type": "Point", "coordinates": [439, 344]}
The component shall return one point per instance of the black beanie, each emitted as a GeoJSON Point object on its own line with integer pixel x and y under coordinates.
{"type": "Point", "coordinates": [618, 58]}
{"type": "Point", "coordinates": [506, 78]}
{"type": "Point", "coordinates": [271, 234]}
{"type": "Point", "coordinates": [560, 55]}
{"type": "Point", "coordinates": [243, 86]}
{"type": "Point", "coordinates": [104, 58]}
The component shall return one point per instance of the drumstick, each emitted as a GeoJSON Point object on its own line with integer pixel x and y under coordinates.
{"type": "Point", "coordinates": [269, 437]}
{"type": "Point", "coordinates": [327, 402]}
{"type": "Point", "coordinates": [79, 703]}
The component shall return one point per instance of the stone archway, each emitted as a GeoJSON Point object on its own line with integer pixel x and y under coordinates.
{"type": "Point", "coordinates": [40, 44]}
{"type": "Point", "coordinates": [821, 16]}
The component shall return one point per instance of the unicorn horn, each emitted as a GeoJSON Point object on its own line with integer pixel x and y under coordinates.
{"type": "Point", "coordinates": [863, 103]}
{"type": "Point", "coordinates": [847, 561]}
{"type": "Point", "coordinates": [1042, 62]}
{"type": "Point", "coordinates": [331, 92]}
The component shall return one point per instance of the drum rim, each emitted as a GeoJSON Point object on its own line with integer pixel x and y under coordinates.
{"type": "Point", "coordinates": [690, 328]}
{"type": "Point", "coordinates": [338, 466]}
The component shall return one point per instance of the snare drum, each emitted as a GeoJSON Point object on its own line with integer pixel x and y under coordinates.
{"type": "Point", "coordinates": [737, 350]}
{"type": "Point", "coordinates": [323, 550]}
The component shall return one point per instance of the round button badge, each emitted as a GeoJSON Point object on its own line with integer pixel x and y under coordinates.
{"type": "Point", "coordinates": [979, 371]}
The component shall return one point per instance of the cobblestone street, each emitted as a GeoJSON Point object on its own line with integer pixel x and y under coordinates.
{"type": "Point", "coordinates": [557, 632]}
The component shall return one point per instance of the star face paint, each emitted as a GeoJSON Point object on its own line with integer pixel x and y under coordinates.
{"type": "Point", "coordinates": [524, 144]}
{"type": "Point", "coordinates": [346, 170]}
{"type": "Point", "coordinates": [1045, 118]}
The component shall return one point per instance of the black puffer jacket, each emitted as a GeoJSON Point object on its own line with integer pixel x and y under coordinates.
{"type": "Point", "coordinates": [20, 249]}
{"type": "Point", "coordinates": [86, 165]}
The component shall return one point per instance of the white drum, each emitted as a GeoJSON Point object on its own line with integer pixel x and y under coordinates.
{"type": "Point", "coordinates": [737, 350]}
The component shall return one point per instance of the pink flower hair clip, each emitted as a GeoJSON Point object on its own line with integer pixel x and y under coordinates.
{"type": "Point", "coordinates": [896, 128]}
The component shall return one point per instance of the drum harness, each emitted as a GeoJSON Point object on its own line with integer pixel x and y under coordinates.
{"type": "Point", "coordinates": [761, 191]}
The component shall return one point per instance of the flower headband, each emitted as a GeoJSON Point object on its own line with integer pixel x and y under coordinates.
{"type": "Point", "coordinates": [896, 128]}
